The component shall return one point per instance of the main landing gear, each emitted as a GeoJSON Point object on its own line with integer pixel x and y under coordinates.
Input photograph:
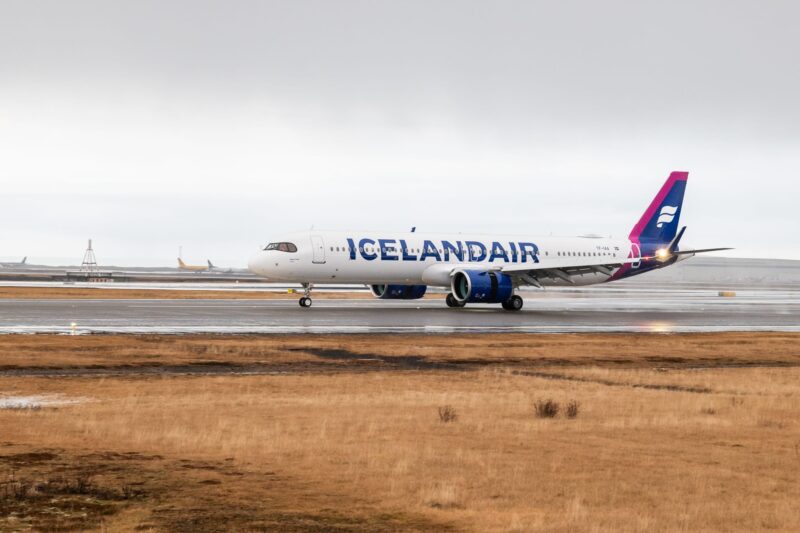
{"type": "Point", "coordinates": [451, 301]}
{"type": "Point", "coordinates": [513, 304]}
{"type": "Point", "coordinates": [305, 301]}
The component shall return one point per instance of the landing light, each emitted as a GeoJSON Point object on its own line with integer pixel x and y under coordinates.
{"type": "Point", "coordinates": [662, 254]}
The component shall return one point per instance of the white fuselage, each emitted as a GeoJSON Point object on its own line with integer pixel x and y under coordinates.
{"type": "Point", "coordinates": [427, 259]}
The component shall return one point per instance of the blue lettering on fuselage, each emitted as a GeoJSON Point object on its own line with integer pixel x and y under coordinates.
{"type": "Point", "coordinates": [429, 250]}
{"type": "Point", "coordinates": [407, 255]}
{"type": "Point", "coordinates": [448, 247]}
{"type": "Point", "coordinates": [471, 251]}
{"type": "Point", "coordinates": [386, 250]}
{"type": "Point", "coordinates": [477, 251]}
{"type": "Point", "coordinates": [497, 252]}
{"type": "Point", "coordinates": [534, 251]}
{"type": "Point", "coordinates": [362, 247]}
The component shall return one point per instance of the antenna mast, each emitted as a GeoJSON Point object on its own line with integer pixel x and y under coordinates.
{"type": "Point", "coordinates": [89, 261]}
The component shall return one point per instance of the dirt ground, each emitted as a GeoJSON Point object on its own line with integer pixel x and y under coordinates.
{"type": "Point", "coordinates": [653, 432]}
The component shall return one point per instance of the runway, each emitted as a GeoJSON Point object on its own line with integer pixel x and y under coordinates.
{"type": "Point", "coordinates": [552, 311]}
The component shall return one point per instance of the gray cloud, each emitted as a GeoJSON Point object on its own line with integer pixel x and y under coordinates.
{"type": "Point", "coordinates": [504, 116]}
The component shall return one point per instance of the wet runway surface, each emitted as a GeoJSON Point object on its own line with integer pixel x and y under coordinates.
{"type": "Point", "coordinates": [589, 310]}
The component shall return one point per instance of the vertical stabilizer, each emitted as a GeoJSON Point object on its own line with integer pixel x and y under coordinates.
{"type": "Point", "coordinates": [659, 224]}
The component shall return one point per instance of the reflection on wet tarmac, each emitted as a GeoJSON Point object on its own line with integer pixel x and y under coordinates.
{"type": "Point", "coordinates": [572, 310]}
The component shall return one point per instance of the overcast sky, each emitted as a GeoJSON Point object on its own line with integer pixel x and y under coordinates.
{"type": "Point", "coordinates": [147, 125]}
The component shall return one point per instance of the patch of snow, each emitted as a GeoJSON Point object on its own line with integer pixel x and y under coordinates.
{"type": "Point", "coordinates": [34, 402]}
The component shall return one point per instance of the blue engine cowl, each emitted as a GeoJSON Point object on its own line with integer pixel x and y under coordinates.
{"type": "Point", "coordinates": [398, 292]}
{"type": "Point", "coordinates": [480, 286]}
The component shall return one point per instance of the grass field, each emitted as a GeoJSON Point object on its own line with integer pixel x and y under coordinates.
{"type": "Point", "coordinates": [362, 433]}
{"type": "Point", "coordinates": [101, 292]}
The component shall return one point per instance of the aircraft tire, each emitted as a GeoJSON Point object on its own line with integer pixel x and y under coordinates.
{"type": "Point", "coordinates": [305, 302]}
{"type": "Point", "coordinates": [451, 301]}
{"type": "Point", "coordinates": [513, 304]}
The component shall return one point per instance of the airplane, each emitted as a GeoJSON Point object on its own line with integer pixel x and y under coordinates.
{"type": "Point", "coordinates": [22, 263]}
{"type": "Point", "coordinates": [214, 268]}
{"type": "Point", "coordinates": [478, 268]}
{"type": "Point", "coordinates": [193, 268]}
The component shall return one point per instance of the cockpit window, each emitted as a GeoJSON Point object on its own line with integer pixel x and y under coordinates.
{"type": "Point", "coordinates": [281, 247]}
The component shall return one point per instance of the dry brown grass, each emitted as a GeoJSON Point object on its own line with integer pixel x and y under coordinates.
{"type": "Point", "coordinates": [107, 293]}
{"type": "Point", "coordinates": [589, 356]}
{"type": "Point", "coordinates": [366, 451]}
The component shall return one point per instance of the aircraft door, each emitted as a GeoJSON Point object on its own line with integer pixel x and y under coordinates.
{"type": "Point", "coordinates": [636, 253]}
{"type": "Point", "coordinates": [318, 249]}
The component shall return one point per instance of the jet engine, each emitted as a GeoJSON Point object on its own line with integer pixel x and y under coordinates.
{"type": "Point", "coordinates": [398, 292]}
{"type": "Point", "coordinates": [481, 286]}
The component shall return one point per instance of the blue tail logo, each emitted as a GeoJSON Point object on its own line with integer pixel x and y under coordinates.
{"type": "Point", "coordinates": [667, 215]}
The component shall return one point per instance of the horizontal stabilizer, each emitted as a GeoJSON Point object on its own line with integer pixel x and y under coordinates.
{"type": "Point", "coordinates": [702, 251]}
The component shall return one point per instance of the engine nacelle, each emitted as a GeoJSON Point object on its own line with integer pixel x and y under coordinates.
{"type": "Point", "coordinates": [398, 292]}
{"type": "Point", "coordinates": [481, 286]}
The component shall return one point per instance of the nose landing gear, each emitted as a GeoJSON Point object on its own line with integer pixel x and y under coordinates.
{"type": "Point", "coordinates": [305, 301]}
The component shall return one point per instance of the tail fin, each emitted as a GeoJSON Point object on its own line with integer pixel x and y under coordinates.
{"type": "Point", "coordinates": [24, 260]}
{"type": "Point", "coordinates": [659, 224]}
{"type": "Point", "coordinates": [210, 265]}
{"type": "Point", "coordinates": [181, 264]}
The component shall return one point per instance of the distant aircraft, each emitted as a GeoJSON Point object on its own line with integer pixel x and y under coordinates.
{"type": "Point", "coordinates": [478, 268]}
{"type": "Point", "coordinates": [214, 268]}
{"type": "Point", "coordinates": [22, 263]}
{"type": "Point", "coordinates": [193, 268]}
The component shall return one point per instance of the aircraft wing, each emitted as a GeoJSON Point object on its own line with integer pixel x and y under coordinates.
{"type": "Point", "coordinates": [531, 274]}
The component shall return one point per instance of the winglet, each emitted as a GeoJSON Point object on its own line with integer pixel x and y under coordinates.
{"type": "Point", "coordinates": [673, 246]}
